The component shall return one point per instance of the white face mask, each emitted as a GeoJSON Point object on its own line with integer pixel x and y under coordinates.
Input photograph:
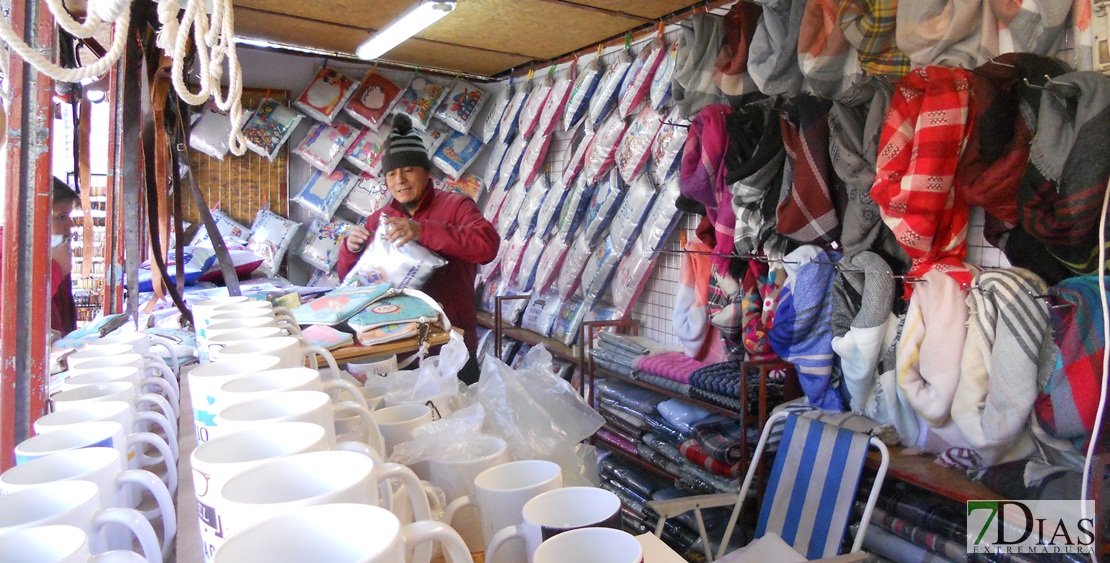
{"type": "Point", "coordinates": [56, 240]}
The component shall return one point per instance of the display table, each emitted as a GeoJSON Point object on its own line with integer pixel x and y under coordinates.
{"type": "Point", "coordinates": [356, 352]}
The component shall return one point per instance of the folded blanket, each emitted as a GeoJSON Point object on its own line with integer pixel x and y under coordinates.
{"type": "Point", "coordinates": [672, 365]}
{"type": "Point", "coordinates": [663, 383]}
{"type": "Point", "coordinates": [661, 427]}
{"type": "Point", "coordinates": [695, 453]}
{"type": "Point", "coordinates": [622, 444]}
{"type": "Point", "coordinates": [719, 436]}
{"type": "Point", "coordinates": [634, 396]}
{"type": "Point", "coordinates": [730, 402]}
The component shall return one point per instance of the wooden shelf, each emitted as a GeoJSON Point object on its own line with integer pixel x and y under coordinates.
{"type": "Point", "coordinates": [707, 406]}
{"type": "Point", "coordinates": [635, 460]}
{"type": "Point", "coordinates": [557, 348]}
{"type": "Point", "coordinates": [922, 472]}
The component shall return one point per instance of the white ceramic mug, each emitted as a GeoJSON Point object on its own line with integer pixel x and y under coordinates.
{"type": "Point", "coordinates": [110, 372]}
{"type": "Point", "coordinates": [114, 391]}
{"type": "Point", "coordinates": [218, 460]}
{"type": "Point", "coordinates": [45, 544]}
{"type": "Point", "coordinates": [113, 411]}
{"type": "Point", "coordinates": [250, 319]}
{"type": "Point", "coordinates": [500, 494]}
{"type": "Point", "coordinates": [397, 423]}
{"type": "Point", "coordinates": [456, 478]}
{"type": "Point", "coordinates": [205, 380]}
{"type": "Point", "coordinates": [291, 406]}
{"type": "Point", "coordinates": [293, 352]}
{"type": "Point", "coordinates": [108, 470]}
{"type": "Point", "coordinates": [218, 340]}
{"type": "Point", "coordinates": [75, 503]}
{"type": "Point", "coordinates": [110, 355]}
{"type": "Point", "coordinates": [287, 379]}
{"type": "Point", "coordinates": [339, 533]}
{"type": "Point", "coordinates": [202, 310]}
{"type": "Point", "coordinates": [591, 545]}
{"type": "Point", "coordinates": [143, 343]}
{"type": "Point", "coordinates": [557, 511]}
{"type": "Point", "coordinates": [290, 483]}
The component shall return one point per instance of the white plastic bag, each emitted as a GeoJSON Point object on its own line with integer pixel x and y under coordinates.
{"type": "Point", "coordinates": [457, 153]}
{"type": "Point", "coordinates": [637, 82]}
{"type": "Point", "coordinates": [209, 133]}
{"type": "Point", "coordinates": [570, 275]}
{"type": "Point", "coordinates": [551, 261]}
{"type": "Point", "coordinates": [556, 103]}
{"type": "Point", "coordinates": [366, 152]}
{"type": "Point", "coordinates": [462, 106]}
{"type": "Point", "coordinates": [662, 217]}
{"type": "Point", "coordinates": [518, 244]}
{"type": "Point", "coordinates": [575, 209]}
{"type": "Point", "coordinates": [661, 83]}
{"type": "Point", "coordinates": [511, 162]}
{"type": "Point", "coordinates": [631, 276]}
{"type": "Point", "coordinates": [490, 116]}
{"type": "Point", "coordinates": [526, 217]}
{"type": "Point", "coordinates": [541, 312]}
{"type": "Point", "coordinates": [606, 200]}
{"type": "Point", "coordinates": [326, 95]}
{"type": "Point", "coordinates": [535, 154]}
{"type": "Point", "coordinates": [626, 226]}
{"type": "Point", "coordinates": [269, 127]}
{"type": "Point", "coordinates": [578, 102]}
{"type": "Point", "coordinates": [408, 265]}
{"type": "Point", "coordinates": [325, 145]}
{"type": "Point", "coordinates": [321, 243]}
{"type": "Point", "coordinates": [533, 107]}
{"type": "Point", "coordinates": [491, 205]}
{"type": "Point", "coordinates": [635, 147]}
{"type": "Point", "coordinates": [494, 157]}
{"type": "Point", "coordinates": [420, 100]}
{"type": "Point", "coordinates": [375, 96]}
{"type": "Point", "coordinates": [271, 235]}
{"type": "Point", "coordinates": [604, 99]}
{"type": "Point", "coordinates": [506, 218]}
{"type": "Point", "coordinates": [323, 193]}
{"type": "Point", "coordinates": [598, 271]}
{"type": "Point", "coordinates": [577, 151]}
{"type": "Point", "coordinates": [603, 150]}
{"type": "Point", "coordinates": [666, 149]}
{"type": "Point", "coordinates": [506, 129]}
{"type": "Point", "coordinates": [547, 218]}
{"type": "Point", "coordinates": [369, 195]}
{"type": "Point", "coordinates": [526, 271]}
{"type": "Point", "coordinates": [230, 230]}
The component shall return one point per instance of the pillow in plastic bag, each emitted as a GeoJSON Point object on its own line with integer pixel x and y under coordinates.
{"type": "Point", "coordinates": [637, 82]}
{"type": "Point", "coordinates": [604, 204]}
{"type": "Point", "coordinates": [320, 278]}
{"type": "Point", "coordinates": [635, 147]}
{"type": "Point", "coordinates": [506, 129]}
{"type": "Point", "coordinates": [526, 271]}
{"type": "Point", "coordinates": [461, 107]}
{"type": "Point", "coordinates": [230, 230]}
{"type": "Point", "coordinates": [575, 209]}
{"type": "Point", "coordinates": [568, 321]}
{"type": "Point", "coordinates": [603, 149]}
{"type": "Point", "coordinates": [494, 157]}
{"type": "Point", "coordinates": [547, 218]}
{"type": "Point", "coordinates": [492, 269]}
{"type": "Point", "coordinates": [326, 95]}
{"type": "Point", "coordinates": [507, 217]}
{"type": "Point", "coordinates": [323, 193]}
{"type": "Point", "coordinates": [662, 218]}
{"type": "Point", "coordinates": [269, 127]}
{"type": "Point", "coordinates": [420, 100]}
{"type": "Point", "coordinates": [490, 116]}
{"type": "Point", "coordinates": [468, 185]}
{"type": "Point", "coordinates": [535, 154]}
{"type": "Point", "coordinates": [570, 275]}
{"type": "Point", "coordinates": [511, 162]}
{"type": "Point", "coordinates": [551, 261]}
{"type": "Point", "coordinates": [490, 290]}
{"type": "Point", "coordinates": [637, 201]}
{"type": "Point", "coordinates": [631, 276]}
{"type": "Point", "coordinates": [434, 136]}
{"type": "Point", "coordinates": [517, 246]}
{"type": "Point", "coordinates": [408, 265]}
{"type": "Point", "coordinates": [526, 217]}
{"type": "Point", "coordinates": [608, 89]}
{"type": "Point", "coordinates": [556, 103]}
{"type": "Point", "coordinates": [495, 199]}
{"type": "Point", "coordinates": [198, 260]}
{"type": "Point", "coordinates": [457, 153]}
{"type": "Point", "coordinates": [325, 145]}
{"type": "Point", "coordinates": [660, 92]}
{"type": "Point", "coordinates": [576, 160]}
{"type": "Point", "coordinates": [366, 152]}
{"type": "Point", "coordinates": [271, 235]}
{"type": "Point", "coordinates": [533, 108]}
{"type": "Point", "coordinates": [320, 248]}
{"type": "Point", "coordinates": [369, 195]}
{"type": "Point", "coordinates": [666, 149]}
{"type": "Point", "coordinates": [598, 271]}
{"type": "Point", "coordinates": [578, 102]}
{"type": "Point", "coordinates": [210, 131]}
{"type": "Point", "coordinates": [243, 261]}
{"type": "Point", "coordinates": [373, 100]}
{"type": "Point", "coordinates": [541, 313]}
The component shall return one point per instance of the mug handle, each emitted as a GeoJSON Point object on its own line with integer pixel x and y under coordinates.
{"type": "Point", "coordinates": [457, 505]}
{"type": "Point", "coordinates": [373, 434]}
{"type": "Point", "coordinates": [163, 388]}
{"type": "Point", "coordinates": [420, 532]}
{"type": "Point", "coordinates": [312, 351]}
{"type": "Point", "coordinates": [421, 510]}
{"type": "Point", "coordinates": [156, 364]}
{"type": "Point", "coordinates": [288, 323]}
{"type": "Point", "coordinates": [159, 341]}
{"type": "Point", "coordinates": [503, 535]}
{"type": "Point", "coordinates": [341, 385]}
{"type": "Point", "coordinates": [169, 459]}
{"type": "Point", "coordinates": [138, 525]}
{"type": "Point", "coordinates": [169, 430]}
{"type": "Point", "coordinates": [154, 399]}
{"type": "Point", "coordinates": [144, 478]}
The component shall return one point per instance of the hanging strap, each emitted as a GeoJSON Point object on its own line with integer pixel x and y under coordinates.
{"type": "Point", "coordinates": [84, 179]}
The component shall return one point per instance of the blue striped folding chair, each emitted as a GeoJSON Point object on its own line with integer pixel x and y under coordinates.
{"type": "Point", "coordinates": [810, 491]}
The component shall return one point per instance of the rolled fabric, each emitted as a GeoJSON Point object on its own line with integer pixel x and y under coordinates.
{"type": "Point", "coordinates": [869, 26]}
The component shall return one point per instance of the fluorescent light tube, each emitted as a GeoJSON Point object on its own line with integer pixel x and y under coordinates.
{"type": "Point", "coordinates": [410, 23]}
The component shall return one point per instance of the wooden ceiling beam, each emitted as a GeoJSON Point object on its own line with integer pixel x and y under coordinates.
{"type": "Point", "coordinates": [587, 7]}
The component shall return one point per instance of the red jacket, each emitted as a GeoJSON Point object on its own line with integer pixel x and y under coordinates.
{"type": "Point", "coordinates": [452, 226]}
{"type": "Point", "coordinates": [63, 311]}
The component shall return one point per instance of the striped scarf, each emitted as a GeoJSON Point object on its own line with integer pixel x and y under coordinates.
{"type": "Point", "coordinates": [806, 213]}
{"type": "Point", "coordinates": [1002, 362]}
{"type": "Point", "coordinates": [731, 66]}
{"type": "Point", "coordinates": [869, 26]}
{"type": "Point", "coordinates": [826, 58]}
{"type": "Point", "coordinates": [702, 176]}
{"type": "Point", "coordinates": [920, 147]}
{"type": "Point", "coordinates": [754, 165]}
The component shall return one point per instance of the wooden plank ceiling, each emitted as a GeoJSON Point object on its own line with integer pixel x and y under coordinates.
{"type": "Point", "coordinates": [485, 38]}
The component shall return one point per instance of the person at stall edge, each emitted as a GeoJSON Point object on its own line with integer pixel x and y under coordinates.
{"type": "Point", "coordinates": [63, 310]}
{"type": "Point", "coordinates": [446, 223]}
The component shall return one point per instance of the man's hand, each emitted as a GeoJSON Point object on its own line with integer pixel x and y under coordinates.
{"type": "Point", "coordinates": [356, 238]}
{"type": "Point", "coordinates": [403, 230]}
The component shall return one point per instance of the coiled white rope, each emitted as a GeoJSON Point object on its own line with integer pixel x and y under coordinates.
{"type": "Point", "coordinates": [214, 45]}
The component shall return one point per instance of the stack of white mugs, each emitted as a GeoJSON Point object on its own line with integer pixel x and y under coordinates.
{"type": "Point", "coordinates": [289, 465]}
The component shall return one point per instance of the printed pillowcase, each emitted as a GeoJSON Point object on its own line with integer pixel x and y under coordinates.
{"type": "Point", "coordinates": [339, 304]}
{"type": "Point", "coordinates": [326, 95]}
{"type": "Point", "coordinates": [269, 127]}
{"type": "Point", "coordinates": [373, 100]}
{"type": "Point", "coordinates": [325, 145]}
{"type": "Point", "coordinates": [271, 235]}
{"type": "Point", "coordinates": [369, 195]}
{"type": "Point", "coordinates": [420, 100]}
{"type": "Point", "coordinates": [321, 243]}
{"type": "Point", "coordinates": [457, 153]}
{"type": "Point", "coordinates": [366, 152]}
{"type": "Point", "coordinates": [323, 193]}
{"type": "Point", "coordinates": [462, 105]}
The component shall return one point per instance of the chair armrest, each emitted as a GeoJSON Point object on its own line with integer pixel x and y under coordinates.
{"type": "Point", "coordinates": [673, 507]}
{"type": "Point", "coordinates": [857, 557]}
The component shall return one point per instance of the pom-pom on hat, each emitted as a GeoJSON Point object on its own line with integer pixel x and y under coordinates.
{"type": "Point", "coordinates": [404, 147]}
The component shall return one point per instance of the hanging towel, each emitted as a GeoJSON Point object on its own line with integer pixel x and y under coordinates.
{"type": "Point", "coordinates": [731, 67]}
{"type": "Point", "coordinates": [1060, 196]}
{"type": "Point", "coordinates": [869, 26]}
{"type": "Point", "coordinates": [920, 147]}
{"type": "Point", "coordinates": [827, 61]}
{"type": "Point", "coordinates": [806, 212]}
{"type": "Point", "coordinates": [773, 56]}
{"type": "Point", "coordinates": [1003, 360]}
{"type": "Point", "coordinates": [802, 332]}
{"type": "Point", "coordinates": [692, 86]}
{"type": "Point", "coordinates": [754, 168]}
{"type": "Point", "coordinates": [864, 330]}
{"type": "Point", "coordinates": [690, 315]}
{"type": "Point", "coordinates": [931, 346]}
{"type": "Point", "coordinates": [702, 176]}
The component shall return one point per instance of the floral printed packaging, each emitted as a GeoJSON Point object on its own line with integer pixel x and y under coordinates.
{"type": "Point", "coordinates": [321, 243]}
{"type": "Point", "coordinates": [366, 152]}
{"type": "Point", "coordinates": [373, 100]}
{"type": "Point", "coordinates": [269, 127]}
{"type": "Point", "coordinates": [456, 154]}
{"type": "Point", "coordinates": [462, 105]}
{"type": "Point", "coordinates": [325, 145]}
{"type": "Point", "coordinates": [420, 100]}
{"type": "Point", "coordinates": [369, 195]}
{"type": "Point", "coordinates": [323, 193]}
{"type": "Point", "coordinates": [326, 95]}
{"type": "Point", "coordinates": [666, 149]}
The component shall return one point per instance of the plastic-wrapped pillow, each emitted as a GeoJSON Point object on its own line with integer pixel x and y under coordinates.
{"type": "Point", "coordinates": [547, 218]}
{"type": "Point", "coordinates": [598, 271]}
{"type": "Point", "coordinates": [198, 260]}
{"type": "Point", "coordinates": [635, 147]}
{"type": "Point", "coordinates": [326, 95]}
{"type": "Point", "coordinates": [575, 209]}
{"type": "Point", "coordinates": [578, 103]}
{"type": "Point", "coordinates": [325, 145]}
{"type": "Point", "coordinates": [468, 185]}
{"type": "Point", "coordinates": [408, 265]}
{"type": "Point", "coordinates": [526, 272]}
{"type": "Point", "coordinates": [556, 103]}
{"type": "Point", "coordinates": [517, 245]}
{"type": "Point", "coordinates": [514, 201]}
{"type": "Point", "coordinates": [530, 114]}
{"type": "Point", "coordinates": [461, 107]}
{"type": "Point", "coordinates": [637, 82]}
{"type": "Point", "coordinates": [269, 127]}
{"type": "Point", "coordinates": [661, 83]}
{"type": "Point", "coordinates": [493, 162]}
{"type": "Point", "coordinates": [320, 248]}
{"type": "Point", "coordinates": [324, 193]}
{"type": "Point", "coordinates": [604, 99]}
{"type": "Point", "coordinates": [231, 231]}
{"type": "Point", "coordinates": [511, 162]}
{"type": "Point", "coordinates": [373, 100]}
{"type": "Point", "coordinates": [570, 275]}
{"type": "Point", "coordinates": [626, 225]}
{"type": "Point", "coordinates": [631, 276]}
{"type": "Point", "coordinates": [434, 136]}
{"type": "Point", "coordinates": [526, 217]}
{"type": "Point", "coordinates": [508, 125]}
{"type": "Point", "coordinates": [457, 153]}
{"type": "Point", "coordinates": [420, 100]}
{"type": "Point", "coordinates": [243, 261]}
{"type": "Point", "coordinates": [661, 218]}
{"type": "Point", "coordinates": [576, 154]}
{"type": "Point", "coordinates": [271, 235]}
{"type": "Point", "coordinates": [210, 131]}
{"type": "Point", "coordinates": [320, 278]}
{"type": "Point", "coordinates": [494, 200]}
{"type": "Point", "coordinates": [491, 288]}
{"type": "Point", "coordinates": [568, 321]}
{"type": "Point", "coordinates": [366, 152]}
{"type": "Point", "coordinates": [666, 149]}
{"type": "Point", "coordinates": [535, 154]}
{"type": "Point", "coordinates": [682, 414]}
{"type": "Point", "coordinates": [604, 204]}
{"type": "Point", "coordinates": [551, 261]}
{"type": "Point", "coordinates": [603, 150]}
{"type": "Point", "coordinates": [369, 195]}
{"type": "Point", "coordinates": [492, 269]}
{"type": "Point", "coordinates": [490, 116]}
{"type": "Point", "coordinates": [541, 312]}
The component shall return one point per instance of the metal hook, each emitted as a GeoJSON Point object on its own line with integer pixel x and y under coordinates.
{"type": "Point", "coordinates": [992, 61]}
{"type": "Point", "coordinates": [1031, 85]}
{"type": "Point", "coordinates": [908, 278]}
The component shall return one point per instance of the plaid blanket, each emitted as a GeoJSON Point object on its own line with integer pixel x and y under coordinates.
{"type": "Point", "coordinates": [719, 436]}
{"type": "Point", "coordinates": [694, 452]}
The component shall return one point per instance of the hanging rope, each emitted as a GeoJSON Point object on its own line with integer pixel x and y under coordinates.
{"type": "Point", "coordinates": [213, 39]}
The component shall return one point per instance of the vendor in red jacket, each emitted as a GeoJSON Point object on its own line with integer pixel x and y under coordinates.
{"type": "Point", "coordinates": [446, 223]}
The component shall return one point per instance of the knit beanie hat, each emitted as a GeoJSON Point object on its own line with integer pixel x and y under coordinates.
{"type": "Point", "coordinates": [404, 147]}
